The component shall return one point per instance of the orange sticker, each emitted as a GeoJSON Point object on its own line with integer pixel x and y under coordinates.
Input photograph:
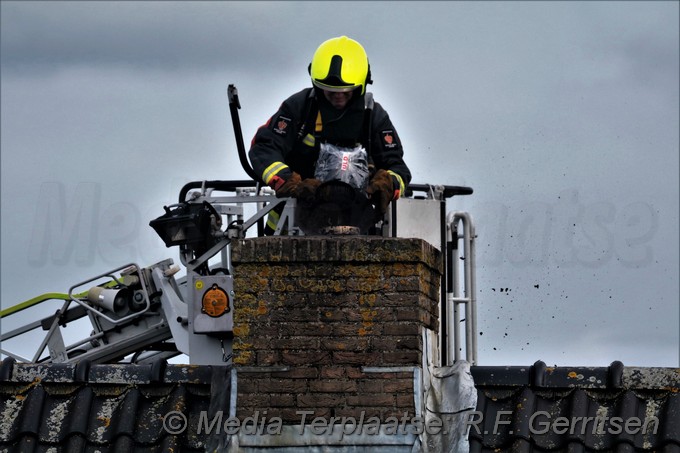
{"type": "Point", "coordinates": [215, 302]}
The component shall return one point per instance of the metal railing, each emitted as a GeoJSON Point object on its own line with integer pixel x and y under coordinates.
{"type": "Point", "coordinates": [460, 291]}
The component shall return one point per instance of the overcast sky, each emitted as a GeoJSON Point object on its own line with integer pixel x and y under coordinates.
{"type": "Point", "coordinates": [562, 116]}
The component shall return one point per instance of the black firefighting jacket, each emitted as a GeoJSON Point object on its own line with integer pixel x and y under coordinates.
{"type": "Point", "coordinates": [289, 141]}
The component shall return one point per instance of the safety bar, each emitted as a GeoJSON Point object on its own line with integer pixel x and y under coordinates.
{"type": "Point", "coordinates": [440, 192]}
{"type": "Point", "coordinates": [31, 303]}
{"type": "Point", "coordinates": [220, 185]}
{"type": "Point", "coordinates": [446, 191]}
{"type": "Point", "coordinates": [30, 326]}
{"type": "Point", "coordinates": [459, 227]}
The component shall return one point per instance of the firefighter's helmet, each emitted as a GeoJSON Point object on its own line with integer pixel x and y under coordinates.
{"type": "Point", "coordinates": [340, 64]}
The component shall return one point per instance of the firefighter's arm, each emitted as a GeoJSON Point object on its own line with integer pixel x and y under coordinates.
{"type": "Point", "coordinates": [392, 175]}
{"type": "Point", "coordinates": [272, 142]}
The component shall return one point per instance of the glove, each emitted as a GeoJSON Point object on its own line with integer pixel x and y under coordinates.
{"type": "Point", "coordinates": [380, 190]}
{"type": "Point", "coordinates": [302, 189]}
{"type": "Point", "coordinates": [289, 187]}
{"type": "Point", "coordinates": [306, 190]}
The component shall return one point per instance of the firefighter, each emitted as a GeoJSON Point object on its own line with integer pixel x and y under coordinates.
{"type": "Point", "coordinates": [338, 110]}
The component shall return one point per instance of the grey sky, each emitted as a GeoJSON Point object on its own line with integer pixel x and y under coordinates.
{"type": "Point", "coordinates": [563, 117]}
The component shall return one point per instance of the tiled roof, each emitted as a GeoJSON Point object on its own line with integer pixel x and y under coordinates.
{"type": "Point", "coordinates": [102, 408]}
{"type": "Point", "coordinates": [120, 408]}
{"type": "Point", "coordinates": [541, 409]}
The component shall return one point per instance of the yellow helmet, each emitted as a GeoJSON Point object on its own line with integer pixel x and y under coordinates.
{"type": "Point", "coordinates": [340, 64]}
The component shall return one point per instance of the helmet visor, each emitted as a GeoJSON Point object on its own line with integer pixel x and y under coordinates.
{"type": "Point", "coordinates": [334, 88]}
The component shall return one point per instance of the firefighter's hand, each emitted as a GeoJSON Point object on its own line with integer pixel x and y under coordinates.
{"type": "Point", "coordinates": [380, 190]}
{"type": "Point", "coordinates": [289, 187]}
{"type": "Point", "coordinates": [306, 190]}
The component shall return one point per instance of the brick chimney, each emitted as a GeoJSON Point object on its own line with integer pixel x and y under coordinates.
{"type": "Point", "coordinates": [332, 325]}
